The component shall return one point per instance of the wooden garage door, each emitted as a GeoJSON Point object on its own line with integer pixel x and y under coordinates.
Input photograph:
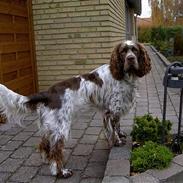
{"type": "Point", "coordinates": [17, 65]}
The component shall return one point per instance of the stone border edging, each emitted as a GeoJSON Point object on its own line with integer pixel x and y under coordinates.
{"type": "Point", "coordinates": [174, 173]}
{"type": "Point", "coordinates": [161, 57]}
{"type": "Point", "coordinates": [118, 165]}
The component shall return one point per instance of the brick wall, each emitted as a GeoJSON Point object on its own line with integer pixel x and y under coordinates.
{"type": "Point", "coordinates": [75, 36]}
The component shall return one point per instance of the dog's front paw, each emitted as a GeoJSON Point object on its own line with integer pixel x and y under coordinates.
{"type": "Point", "coordinates": [120, 142]}
{"type": "Point", "coordinates": [65, 173]}
{"type": "Point", "coordinates": [120, 139]}
{"type": "Point", "coordinates": [122, 135]}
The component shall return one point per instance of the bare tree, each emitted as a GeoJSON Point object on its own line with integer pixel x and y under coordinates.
{"type": "Point", "coordinates": [166, 12]}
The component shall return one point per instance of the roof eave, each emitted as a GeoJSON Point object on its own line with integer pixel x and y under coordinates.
{"type": "Point", "coordinates": [136, 5]}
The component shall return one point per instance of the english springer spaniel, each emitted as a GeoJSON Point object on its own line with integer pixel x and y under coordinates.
{"type": "Point", "coordinates": [111, 88]}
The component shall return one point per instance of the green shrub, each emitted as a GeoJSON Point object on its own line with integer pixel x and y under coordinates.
{"type": "Point", "coordinates": [144, 34]}
{"type": "Point", "coordinates": [168, 40]}
{"type": "Point", "coordinates": [148, 128]}
{"type": "Point", "coordinates": [149, 156]}
{"type": "Point", "coordinates": [175, 58]}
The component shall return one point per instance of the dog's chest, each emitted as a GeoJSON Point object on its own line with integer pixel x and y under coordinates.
{"type": "Point", "coordinates": [122, 97]}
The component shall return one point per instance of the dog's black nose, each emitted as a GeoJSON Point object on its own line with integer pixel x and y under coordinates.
{"type": "Point", "coordinates": [131, 59]}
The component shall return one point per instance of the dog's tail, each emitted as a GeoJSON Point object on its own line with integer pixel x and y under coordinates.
{"type": "Point", "coordinates": [16, 107]}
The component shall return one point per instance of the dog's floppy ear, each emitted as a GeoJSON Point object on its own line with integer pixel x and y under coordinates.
{"type": "Point", "coordinates": [117, 64]}
{"type": "Point", "coordinates": [144, 62]}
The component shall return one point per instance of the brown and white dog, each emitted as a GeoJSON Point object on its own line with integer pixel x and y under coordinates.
{"type": "Point", "coordinates": [111, 88]}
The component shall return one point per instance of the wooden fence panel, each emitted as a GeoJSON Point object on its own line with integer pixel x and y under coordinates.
{"type": "Point", "coordinates": [17, 63]}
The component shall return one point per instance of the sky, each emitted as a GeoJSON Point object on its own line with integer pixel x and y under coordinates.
{"type": "Point", "coordinates": [146, 10]}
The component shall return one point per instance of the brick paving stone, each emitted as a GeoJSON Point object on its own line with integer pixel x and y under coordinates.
{"type": "Point", "coordinates": [96, 123]}
{"type": "Point", "coordinates": [94, 170]}
{"type": "Point", "coordinates": [102, 144]}
{"type": "Point", "coordinates": [44, 170]}
{"type": "Point", "coordinates": [23, 136]}
{"type": "Point", "coordinates": [178, 160]}
{"type": "Point", "coordinates": [143, 177]}
{"type": "Point", "coordinates": [83, 120]}
{"type": "Point", "coordinates": [4, 155]}
{"type": "Point", "coordinates": [79, 126]}
{"type": "Point", "coordinates": [31, 128]}
{"type": "Point", "coordinates": [24, 174]}
{"type": "Point", "coordinates": [4, 177]}
{"type": "Point", "coordinates": [43, 179]}
{"type": "Point", "coordinates": [98, 116]}
{"type": "Point", "coordinates": [13, 131]}
{"type": "Point", "coordinates": [10, 165]}
{"type": "Point", "coordinates": [71, 143]}
{"type": "Point", "coordinates": [126, 129]}
{"type": "Point", "coordinates": [87, 115]}
{"type": "Point", "coordinates": [89, 139]}
{"type": "Point", "coordinates": [4, 139]}
{"type": "Point", "coordinates": [119, 153]}
{"type": "Point", "coordinates": [27, 122]}
{"type": "Point", "coordinates": [82, 149]}
{"type": "Point", "coordinates": [93, 130]}
{"type": "Point", "coordinates": [129, 116]}
{"type": "Point", "coordinates": [33, 141]}
{"type": "Point", "coordinates": [22, 152]}
{"type": "Point", "coordinates": [34, 160]}
{"type": "Point", "coordinates": [117, 179]}
{"type": "Point", "coordinates": [67, 153]}
{"type": "Point", "coordinates": [117, 168]}
{"type": "Point", "coordinates": [11, 145]}
{"type": "Point", "coordinates": [91, 180]}
{"type": "Point", "coordinates": [127, 122]}
{"type": "Point", "coordinates": [77, 162]}
{"type": "Point", "coordinates": [77, 134]}
{"type": "Point", "coordinates": [99, 156]}
{"type": "Point", "coordinates": [37, 134]}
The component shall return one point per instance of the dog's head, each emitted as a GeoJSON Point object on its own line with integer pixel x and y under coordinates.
{"type": "Point", "coordinates": [129, 57]}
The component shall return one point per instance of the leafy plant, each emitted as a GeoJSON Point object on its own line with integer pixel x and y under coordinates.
{"type": "Point", "coordinates": [168, 40]}
{"type": "Point", "coordinates": [148, 128]}
{"type": "Point", "coordinates": [144, 34]}
{"type": "Point", "coordinates": [150, 155]}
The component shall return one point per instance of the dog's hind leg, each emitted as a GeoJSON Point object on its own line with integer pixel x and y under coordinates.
{"type": "Point", "coordinates": [44, 148]}
{"type": "Point", "coordinates": [55, 126]}
{"type": "Point", "coordinates": [57, 161]}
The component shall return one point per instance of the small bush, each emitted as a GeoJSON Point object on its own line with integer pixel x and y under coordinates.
{"type": "Point", "coordinates": [149, 156]}
{"type": "Point", "coordinates": [144, 34]}
{"type": "Point", "coordinates": [175, 58]}
{"type": "Point", "coordinates": [168, 40]}
{"type": "Point", "coordinates": [148, 128]}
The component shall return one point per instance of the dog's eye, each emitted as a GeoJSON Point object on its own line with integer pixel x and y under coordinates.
{"type": "Point", "coordinates": [124, 50]}
{"type": "Point", "coordinates": [134, 50]}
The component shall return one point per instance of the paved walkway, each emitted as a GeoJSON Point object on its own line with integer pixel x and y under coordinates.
{"type": "Point", "coordinates": [87, 152]}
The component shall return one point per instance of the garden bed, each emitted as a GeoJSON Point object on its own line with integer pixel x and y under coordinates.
{"type": "Point", "coordinates": [119, 169]}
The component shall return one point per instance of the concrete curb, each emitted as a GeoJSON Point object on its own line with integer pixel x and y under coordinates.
{"type": "Point", "coordinates": [118, 165]}
{"type": "Point", "coordinates": [161, 57]}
